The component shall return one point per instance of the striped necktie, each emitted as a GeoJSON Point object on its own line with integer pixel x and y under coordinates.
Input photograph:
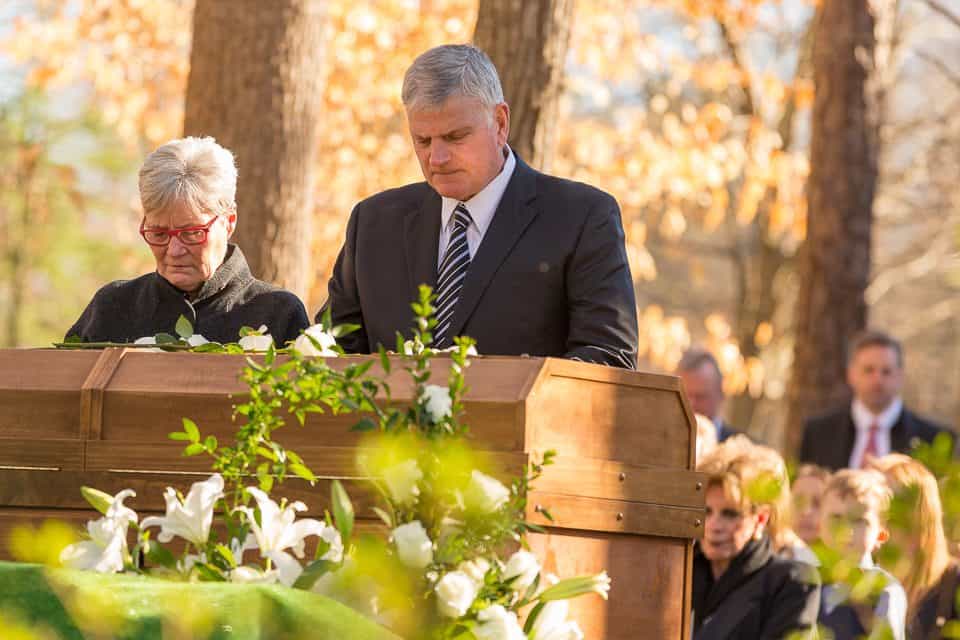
{"type": "Point", "coordinates": [450, 276]}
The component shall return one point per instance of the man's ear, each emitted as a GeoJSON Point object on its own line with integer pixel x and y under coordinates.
{"type": "Point", "coordinates": [501, 118]}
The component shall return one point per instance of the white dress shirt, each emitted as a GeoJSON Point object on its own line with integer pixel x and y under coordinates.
{"type": "Point", "coordinates": [481, 207]}
{"type": "Point", "coordinates": [863, 419]}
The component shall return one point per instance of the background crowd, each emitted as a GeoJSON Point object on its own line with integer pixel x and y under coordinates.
{"type": "Point", "coordinates": [854, 544]}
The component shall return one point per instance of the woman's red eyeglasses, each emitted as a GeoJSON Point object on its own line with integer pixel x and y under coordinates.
{"type": "Point", "coordinates": [187, 235]}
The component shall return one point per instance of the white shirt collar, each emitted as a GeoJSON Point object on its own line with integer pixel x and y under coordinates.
{"type": "Point", "coordinates": [484, 204]}
{"type": "Point", "coordinates": [863, 418]}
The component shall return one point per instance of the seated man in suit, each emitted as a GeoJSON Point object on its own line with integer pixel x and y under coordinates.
{"type": "Point", "coordinates": [703, 383]}
{"type": "Point", "coordinates": [523, 262]}
{"type": "Point", "coordinates": [876, 422]}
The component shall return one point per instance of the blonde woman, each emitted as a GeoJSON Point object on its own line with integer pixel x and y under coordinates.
{"type": "Point", "coordinates": [741, 587]}
{"type": "Point", "coordinates": [923, 563]}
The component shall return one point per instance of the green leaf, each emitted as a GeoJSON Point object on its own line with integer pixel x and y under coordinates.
{"type": "Point", "coordinates": [365, 424]}
{"type": "Point", "coordinates": [194, 449]}
{"type": "Point", "coordinates": [211, 444]}
{"type": "Point", "coordinates": [190, 428]}
{"type": "Point", "coordinates": [209, 573]}
{"type": "Point", "coordinates": [313, 572]}
{"type": "Point", "coordinates": [179, 435]}
{"type": "Point", "coordinates": [384, 360]}
{"type": "Point", "coordinates": [210, 347]}
{"type": "Point", "coordinates": [226, 554]}
{"type": "Point", "coordinates": [248, 331]}
{"type": "Point", "coordinates": [343, 329]}
{"type": "Point", "coordinates": [158, 555]}
{"type": "Point", "coordinates": [166, 338]}
{"type": "Point", "coordinates": [74, 339]}
{"type": "Point", "coordinates": [267, 453]}
{"type": "Point", "coordinates": [301, 471]}
{"type": "Point", "coordinates": [532, 618]}
{"type": "Point", "coordinates": [184, 329]}
{"type": "Point", "coordinates": [99, 500]}
{"type": "Point", "coordinates": [342, 511]}
{"type": "Point", "coordinates": [326, 319]}
{"type": "Point", "coordinates": [383, 515]}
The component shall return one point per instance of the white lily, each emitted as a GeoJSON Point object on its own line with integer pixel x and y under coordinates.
{"type": "Point", "coordinates": [306, 347]}
{"type": "Point", "coordinates": [278, 532]}
{"type": "Point", "coordinates": [191, 518]}
{"type": "Point", "coordinates": [107, 547]}
{"type": "Point", "coordinates": [552, 623]}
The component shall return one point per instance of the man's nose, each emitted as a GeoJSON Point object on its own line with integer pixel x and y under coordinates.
{"type": "Point", "coordinates": [439, 153]}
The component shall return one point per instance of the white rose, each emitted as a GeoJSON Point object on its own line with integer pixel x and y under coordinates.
{"type": "Point", "coordinates": [413, 545]}
{"type": "Point", "coordinates": [256, 342]}
{"type": "Point", "coordinates": [438, 402]}
{"type": "Point", "coordinates": [145, 340]}
{"type": "Point", "coordinates": [196, 340]}
{"type": "Point", "coordinates": [456, 591]}
{"type": "Point", "coordinates": [476, 569]}
{"type": "Point", "coordinates": [305, 346]}
{"type": "Point", "coordinates": [485, 494]}
{"type": "Point", "coordinates": [401, 480]}
{"type": "Point", "coordinates": [552, 623]}
{"type": "Point", "coordinates": [496, 623]}
{"type": "Point", "coordinates": [524, 565]}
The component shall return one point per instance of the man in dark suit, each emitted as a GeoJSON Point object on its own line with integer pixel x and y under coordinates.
{"type": "Point", "coordinates": [523, 262]}
{"type": "Point", "coordinates": [876, 422]}
{"type": "Point", "coordinates": [702, 383]}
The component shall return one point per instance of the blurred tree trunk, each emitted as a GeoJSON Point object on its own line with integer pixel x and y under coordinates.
{"type": "Point", "coordinates": [255, 85]}
{"type": "Point", "coordinates": [527, 41]}
{"type": "Point", "coordinates": [834, 263]}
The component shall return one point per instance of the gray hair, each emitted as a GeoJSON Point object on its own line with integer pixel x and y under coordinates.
{"type": "Point", "coordinates": [696, 357]}
{"type": "Point", "coordinates": [451, 70]}
{"type": "Point", "coordinates": [196, 172]}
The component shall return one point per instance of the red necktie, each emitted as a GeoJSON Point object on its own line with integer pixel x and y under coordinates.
{"type": "Point", "coordinates": [871, 450]}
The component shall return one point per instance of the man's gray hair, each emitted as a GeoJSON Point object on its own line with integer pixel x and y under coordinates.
{"type": "Point", "coordinates": [696, 357]}
{"type": "Point", "coordinates": [451, 70]}
{"type": "Point", "coordinates": [196, 172]}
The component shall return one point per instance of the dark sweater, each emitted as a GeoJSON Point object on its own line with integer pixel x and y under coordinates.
{"type": "Point", "coordinates": [760, 596]}
{"type": "Point", "coordinates": [125, 310]}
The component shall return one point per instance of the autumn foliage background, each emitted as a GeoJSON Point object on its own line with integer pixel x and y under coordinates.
{"type": "Point", "coordinates": [695, 114]}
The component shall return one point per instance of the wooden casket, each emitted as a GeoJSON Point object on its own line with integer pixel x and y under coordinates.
{"type": "Point", "coordinates": [623, 493]}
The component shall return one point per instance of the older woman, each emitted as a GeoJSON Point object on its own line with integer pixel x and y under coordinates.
{"type": "Point", "coordinates": [741, 587]}
{"type": "Point", "coordinates": [187, 189]}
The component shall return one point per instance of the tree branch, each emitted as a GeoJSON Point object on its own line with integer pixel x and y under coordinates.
{"type": "Point", "coordinates": [939, 7]}
{"type": "Point", "coordinates": [940, 66]}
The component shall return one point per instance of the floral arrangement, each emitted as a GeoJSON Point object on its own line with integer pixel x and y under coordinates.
{"type": "Point", "coordinates": [454, 563]}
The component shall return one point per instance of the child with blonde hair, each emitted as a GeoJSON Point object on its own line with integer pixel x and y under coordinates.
{"type": "Point", "coordinates": [858, 599]}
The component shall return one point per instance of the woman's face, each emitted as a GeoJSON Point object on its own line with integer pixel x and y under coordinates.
{"type": "Point", "coordinates": [807, 494]}
{"type": "Point", "coordinates": [188, 266]}
{"type": "Point", "coordinates": [728, 526]}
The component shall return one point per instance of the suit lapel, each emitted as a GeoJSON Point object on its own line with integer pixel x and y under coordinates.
{"type": "Point", "coordinates": [421, 238]}
{"type": "Point", "coordinates": [900, 433]}
{"type": "Point", "coordinates": [845, 450]}
{"type": "Point", "coordinates": [514, 214]}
